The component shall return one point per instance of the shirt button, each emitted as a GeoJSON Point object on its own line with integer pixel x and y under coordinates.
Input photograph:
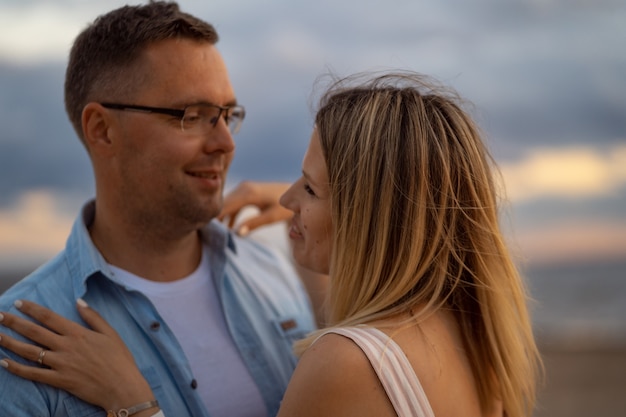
{"type": "Point", "coordinates": [194, 384]}
{"type": "Point", "coordinates": [155, 325]}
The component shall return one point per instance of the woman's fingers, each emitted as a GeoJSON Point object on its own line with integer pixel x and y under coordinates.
{"type": "Point", "coordinates": [47, 317]}
{"type": "Point", "coordinates": [59, 333]}
{"type": "Point", "coordinates": [30, 330]}
{"type": "Point", "coordinates": [59, 370]}
{"type": "Point", "coordinates": [27, 351]}
{"type": "Point", "coordinates": [33, 373]}
{"type": "Point", "coordinates": [262, 195]}
{"type": "Point", "coordinates": [268, 216]}
{"type": "Point", "coordinates": [93, 319]}
{"type": "Point", "coordinates": [38, 373]}
{"type": "Point", "coordinates": [94, 365]}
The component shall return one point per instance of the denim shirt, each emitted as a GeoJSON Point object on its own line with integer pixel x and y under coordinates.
{"type": "Point", "coordinates": [264, 302]}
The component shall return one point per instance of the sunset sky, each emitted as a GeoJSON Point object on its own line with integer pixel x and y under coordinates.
{"type": "Point", "coordinates": [547, 79]}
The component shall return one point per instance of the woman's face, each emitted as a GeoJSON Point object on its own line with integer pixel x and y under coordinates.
{"type": "Point", "coordinates": [309, 199]}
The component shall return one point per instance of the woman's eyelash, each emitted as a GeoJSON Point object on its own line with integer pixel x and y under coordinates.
{"type": "Point", "coordinates": [309, 190]}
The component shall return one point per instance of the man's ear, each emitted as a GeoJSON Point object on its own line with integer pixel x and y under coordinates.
{"type": "Point", "coordinates": [98, 128]}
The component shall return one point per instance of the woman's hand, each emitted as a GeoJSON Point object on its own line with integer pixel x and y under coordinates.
{"type": "Point", "coordinates": [264, 196]}
{"type": "Point", "coordinates": [94, 365]}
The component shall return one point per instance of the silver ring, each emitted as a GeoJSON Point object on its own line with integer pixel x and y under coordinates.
{"type": "Point", "coordinates": [42, 354]}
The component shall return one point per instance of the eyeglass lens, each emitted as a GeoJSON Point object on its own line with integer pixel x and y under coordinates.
{"type": "Point", "coordinates": [199, 116]}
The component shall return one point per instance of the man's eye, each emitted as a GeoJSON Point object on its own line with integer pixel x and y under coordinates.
{"type": "Point", "coordinates": [192, 116]}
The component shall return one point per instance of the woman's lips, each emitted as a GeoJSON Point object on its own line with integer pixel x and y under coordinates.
{"type": "Point", "coordinates": [294, 231]}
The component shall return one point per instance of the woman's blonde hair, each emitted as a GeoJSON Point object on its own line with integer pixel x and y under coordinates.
{"type": "Point", "coordinates": [415, 218]}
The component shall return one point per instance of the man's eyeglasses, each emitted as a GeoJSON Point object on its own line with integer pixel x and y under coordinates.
{"type": "Point", "coordinates": [194, 118]}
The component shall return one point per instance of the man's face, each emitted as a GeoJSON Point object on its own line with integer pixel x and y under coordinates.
{"type": "Point", "coordinates": [166, 174]}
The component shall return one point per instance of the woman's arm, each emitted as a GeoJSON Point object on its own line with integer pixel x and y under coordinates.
{"type": "Point", "coordinates": [262, 195]}
{"type": "Point", "coordinates": [92, 364]}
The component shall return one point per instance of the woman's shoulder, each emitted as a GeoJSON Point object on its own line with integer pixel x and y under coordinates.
{"type": "Point", "coordinates": [336, 369]}
{"type": "Point", "coordinates": [333, 356]}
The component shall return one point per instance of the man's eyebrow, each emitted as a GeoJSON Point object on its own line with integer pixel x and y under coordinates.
{"type": "Point", "coordinates": [231, 103]}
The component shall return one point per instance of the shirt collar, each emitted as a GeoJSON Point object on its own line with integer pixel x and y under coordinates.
{"type": "Point", "coordinates": [217, 236]}
{"type": "Point", "coordinates": [83, 258]}
{"type": "Point", "coordinates": [85, 261]}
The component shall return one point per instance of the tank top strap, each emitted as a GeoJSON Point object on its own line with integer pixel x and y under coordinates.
{"type": "Point", "coordinates": [392, 368]}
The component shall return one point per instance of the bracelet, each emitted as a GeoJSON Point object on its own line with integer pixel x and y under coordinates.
{"type": "Point", "coordinates": [126, 412]}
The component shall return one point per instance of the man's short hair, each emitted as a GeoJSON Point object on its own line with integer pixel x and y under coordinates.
{"type": "Point", "coordinates": [103, 55]}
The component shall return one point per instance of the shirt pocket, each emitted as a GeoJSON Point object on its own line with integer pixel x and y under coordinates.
{"type": "Point", "coordinates": [290, 329]}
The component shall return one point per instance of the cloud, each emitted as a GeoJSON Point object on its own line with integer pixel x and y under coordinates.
{"type": "Point", "coordinates": [572, 173]}
{"type": "Point", "coordinates": [34, 228]}
{"type": "Point", "coordinates": [296, 48]}
{"type": "Point", "coordinates": [578, 223]}
{"type": "Point", "coordinates": [545, 72]}
{"type": "Point", "coordinates": [586, 240]}
{"type": "Point", "coordinates": [39, 31]}
{"type": "Point", "coordinates": [567, 203]}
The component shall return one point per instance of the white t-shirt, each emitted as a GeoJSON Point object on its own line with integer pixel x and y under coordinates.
{"type": "Point", "coordinates": [191, 308]}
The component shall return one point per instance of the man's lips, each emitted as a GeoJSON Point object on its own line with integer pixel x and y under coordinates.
{"type": "Point", "coordinates": [211, 178]}
{"type": "Point", "coordinates": [205, 174]}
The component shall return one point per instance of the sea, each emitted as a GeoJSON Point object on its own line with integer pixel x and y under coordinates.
{"type": "Point", "coordinates": [578, 305]}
